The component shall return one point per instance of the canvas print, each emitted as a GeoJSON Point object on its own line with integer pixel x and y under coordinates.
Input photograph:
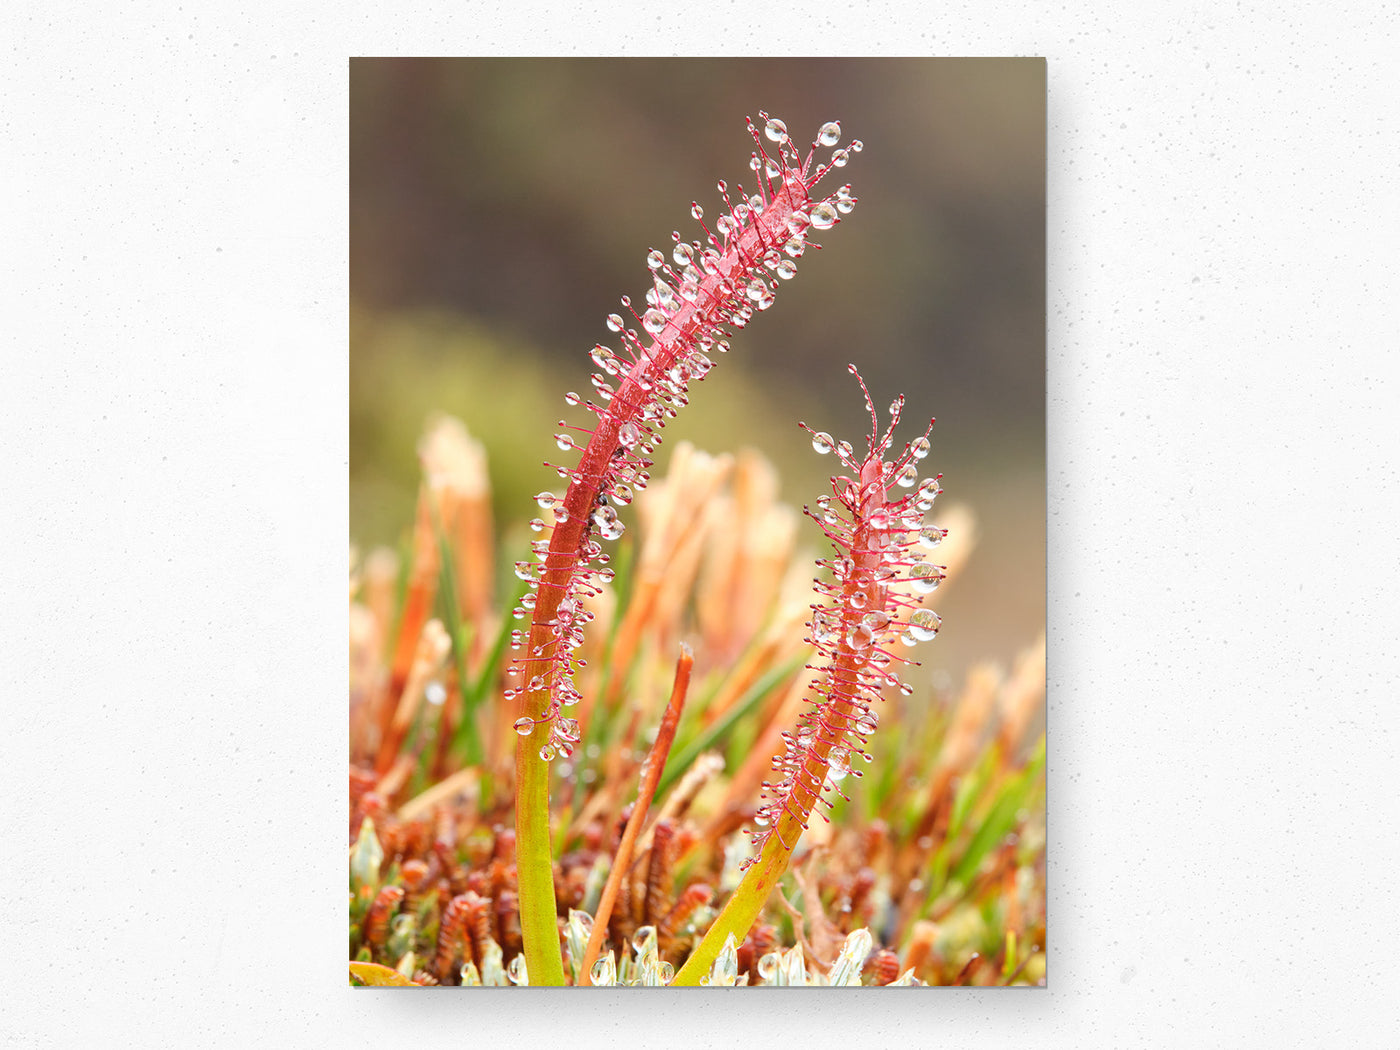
{"type": "Point", "coordinates": [697, 523]}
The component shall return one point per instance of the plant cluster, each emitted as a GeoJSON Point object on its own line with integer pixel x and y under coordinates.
{"type": "Point", "coordinates": [676, 849]}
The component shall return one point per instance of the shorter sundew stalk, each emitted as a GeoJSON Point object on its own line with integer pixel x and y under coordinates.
{"type": "Point", "coordinates": [875, 530]}
{"type": "Point", "coordinates": [717, 283]}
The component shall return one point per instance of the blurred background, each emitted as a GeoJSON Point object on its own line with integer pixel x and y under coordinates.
{"type": "Point", "coordinates": [500, 207]}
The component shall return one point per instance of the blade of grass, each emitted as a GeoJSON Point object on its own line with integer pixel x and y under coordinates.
{"type": "Point", "coordinates": [456, 631]}
{"type": "Point", "coordinates": [706, 738]}
{"type": "Point", "coordinates": [651, 776]}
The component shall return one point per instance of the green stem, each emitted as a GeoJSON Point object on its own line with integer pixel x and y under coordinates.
{"type": "Point", "coordinates": [539, 928]}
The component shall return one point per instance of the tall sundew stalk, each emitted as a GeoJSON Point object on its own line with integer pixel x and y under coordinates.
{"type": "Point", "coordinates": [871, 603]}
{"type": "Point", "coordinates": [705, 288]}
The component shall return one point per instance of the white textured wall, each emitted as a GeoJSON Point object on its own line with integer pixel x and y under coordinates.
{"type": "Point", "coordinates": [1223, 369]}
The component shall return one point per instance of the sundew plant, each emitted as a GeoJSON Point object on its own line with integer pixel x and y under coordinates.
{"type": "Point", "coordinates": [616, 782]}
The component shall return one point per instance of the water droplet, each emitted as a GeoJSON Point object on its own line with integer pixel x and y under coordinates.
{"type": "Point", "coordinates": [840, 157]}
{"type": "Point", "coordinates": [621, 494]}
{"type": "Point", "coordinates": [614, 322]}
{"type": "Point", "coordinates": [829, 134]}
{"type": "Point", "coordinates": [653, 321]}
{"type": "Point", "coordinates": [845, 449]}
{"type": "Point", "coordinates": [536, 525]}
{"type": "Point", "coordinates": [684, 255]}
{"type": "Point", "coordinates": [757, 289]}
{"type": "Point", "coordinates": [524, 726]}
{"type": "Point", "coordinates": [908, 476]}
{"type": "Point", "coordinates": [605, 518]}
{"type": "Point", "coordinates": [857, 600]}
{"type": "Point", "coordinates": [655, 260]}
{"type": "Point", "coordinates": [696, 212]}
{"type": "Point", "coordinates": [689, 290]}
{"type": "Point", "coordinates": [787, 269]}
{"type": "Point", "coordinates": [932, 536]}
{"type": "Point", "coordinates": [795, 247]}
{"type": "Point", "coordinates": [845, 205]}
{"type": "Point", "coordinates": [877, 620]}
{"type": "Point", "coordinates": [839, 763]}
{"type": "Point", "coordinates": [823, 216]}
{"type": "Point", "coordinates": [857, 145]}
{"type": "Point", "coordinates": [547, 753]}
{"type": "Point", "coordinates": [919, 448]}
{"type": "Point", "coordinates": [928, 492]}
{"type": "Point", "coordinates": [564, 442]}
{"type": "Point", "coordinates": [924, 624]}
{"type": "Point", "coordinates": [860, 636]}
{"type": "Point", "coordinates": [536, 684]}
{"type": "Point", "coordinates": [925, 578]}
{"type": "Point", "coordinates": [629, 434]}
{"type": "Point", "coordinates": [545, 499]}
{"type": "Point", "coordinates": [823, 442]}
{"type": "Point", "coordinates": [776, 130]}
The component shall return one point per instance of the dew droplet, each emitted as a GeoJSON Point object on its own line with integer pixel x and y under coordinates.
{"type": "Point", "coordinates": [653, 321]}
{"type": "Point", "coordinates": [919, 448]}
{"type": "Point", "coordinates": [621, 494]}
{"type": "Point", "coordinates": [536, 525]}
{"type": "Point", "coordinates": [860, 636]}
{"type": "Point", "coordinates": [823, 629]}
{"type": "Point", "coordinates": [696, 212]}
{"type": "Point", "coordinates": [823, 216]}
{"type": "Point", "coordinates": [924, 624]}
{"type": "Point", "coordinates": [787, 269]}
{"type": "Point", "coordinates": [839, 763]}
{"type": "Point", "coordinates": [877, 620]}
{"type": "Point", "coordinates": [823, 442]}
{"type": "Point", "coordinates": [545, 499]}
{"type": "Point", "coordinates": [524, 726]}
{"type": "Point", "coordinates": [840, 157]}
{"type": "Point", "coordinates": [907, 476]}
{"type": "Point", "coordinates": [932, 536]}
{"type": "Point", "coordinates": [925, 578]}
{"type": "Point", "coordinates": [564, 442]}
{"type": "Point", "coordinates": [614, 322]}
{"type": "Point", "coordinates": [605, 518]}
{"type": "Point", "coordinates": [776, 130]}
{"type": "Point", "coordinates": [928, 492]}
{"type": "Point", "coordinates": [547, 753]}
{"type": "Point", "coordinates": [629, 434]}
{"type": "Point", "coordinates": [655, 260]}
{"type": "Point", "coordinates": [829, 134]}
